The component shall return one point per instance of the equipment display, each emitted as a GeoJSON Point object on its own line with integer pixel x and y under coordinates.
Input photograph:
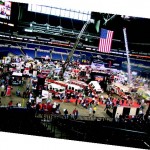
{"type": "Point", "coordinates": [5, 10]}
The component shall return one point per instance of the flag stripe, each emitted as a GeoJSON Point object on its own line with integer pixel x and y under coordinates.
{"type": "Point", "coordinates": [105, 43]}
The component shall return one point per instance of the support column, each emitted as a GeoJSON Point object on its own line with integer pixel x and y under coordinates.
{"type": "Point", "coordinates": [128, 57]}
{"type": "Point", "coordinates": [35, 55]}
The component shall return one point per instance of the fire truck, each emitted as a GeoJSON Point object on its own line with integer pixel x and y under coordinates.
{"type": "Point", "coordinates": [79, 83]}
{"type": "Point", "coordinates": [56, 90]}
{"type": "Point", "coordinates": [71, 87]}
{"type": "Point", "coordinates": [56, 87]}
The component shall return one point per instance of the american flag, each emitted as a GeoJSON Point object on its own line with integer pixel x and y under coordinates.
{"type": "Point", "coordinates": [105, 40]}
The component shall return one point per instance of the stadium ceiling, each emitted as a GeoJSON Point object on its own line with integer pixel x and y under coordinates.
{"type": "Point", "coordinates": [62, 12]}
{"type": "Point", "coordinates": [57, 27]}
{"type": "Point", "coordinates": [126, 7]}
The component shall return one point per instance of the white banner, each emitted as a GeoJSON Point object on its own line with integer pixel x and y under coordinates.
{"type": "Point", "coordinates": [97, 66]}
{"type": "Point", "coordinates": [119, 111]}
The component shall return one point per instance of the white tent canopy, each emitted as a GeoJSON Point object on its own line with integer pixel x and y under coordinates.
{"type": "Point", "coordinates": [17, 74]}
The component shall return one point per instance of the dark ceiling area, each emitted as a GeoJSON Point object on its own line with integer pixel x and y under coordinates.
{"type": "Point", "coordinates": [138, 32]}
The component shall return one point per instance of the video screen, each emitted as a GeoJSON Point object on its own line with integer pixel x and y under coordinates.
{"type": "Point", "coordinates": [99, 78]}
{"type": "Point", "coordinates": [5, 9]}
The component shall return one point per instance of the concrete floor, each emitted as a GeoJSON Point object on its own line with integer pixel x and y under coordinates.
{"type": "Point", "coordinates": [63, 105]}
{"type": "Point", "coordinates": [82, 111]}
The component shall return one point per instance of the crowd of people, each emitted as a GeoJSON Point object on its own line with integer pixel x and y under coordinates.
{"type": "Point", "coordinates": [86, 99]}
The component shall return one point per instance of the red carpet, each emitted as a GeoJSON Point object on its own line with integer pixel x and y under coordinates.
{"type": "Point", "coordinates": [134, 104]}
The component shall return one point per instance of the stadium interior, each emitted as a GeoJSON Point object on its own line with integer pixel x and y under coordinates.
{"type": "Point", "coordinates": [41, 31]}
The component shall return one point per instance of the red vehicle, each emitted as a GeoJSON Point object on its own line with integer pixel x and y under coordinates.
{"type": "Point", "coordinates": [56, 89]}
{"type": "Point", "coordinates": [79, 83]}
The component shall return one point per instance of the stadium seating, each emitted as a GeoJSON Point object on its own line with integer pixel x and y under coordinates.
{"type": "Point", "coordinates": [77, 52]}
{"type": "Point", "coordinates": [60, 50]}
{"type": "Point", "coordinates": [29, 52]}
{"type": "Point", "coordinates": [44, 47]}
{"type": "Point", "coordinates": [32, 45]}
{"type": "Point", "coordinates": [42, 54]}
{"type": "Point", "coordinates": [4, 53]}
{"type": "Point", "coordinates": [87, 54]}
{"type": "Point", "coordinates": [22, 44]}
{"type": "Point", "coordinates": [56, 56]}
{"type": "Point", "coordinates": [75, 58]}
{"type": "Point", "coordinates": [15, 51]}
{"type": "Point", "coordinates": [64, 56]}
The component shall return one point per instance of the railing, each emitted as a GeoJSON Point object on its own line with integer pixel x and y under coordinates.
{"type": "Point", "coordinates": [48, 116]}
{"type": "Point", "coordinates": [99, 131]}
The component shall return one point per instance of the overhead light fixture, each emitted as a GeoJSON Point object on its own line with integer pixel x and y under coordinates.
{"type": "Point", "coordinates": [28, 30]}
{"type": "Point", "coordinates": [86, 39]}
{"type": "Point", "coordinates": [31, 40]}
{"type": "Point", "coordinates": [88, 48]}
{"type": "Point", "coordinates": [31, 24]}
{"type": "Point", "coordinates": [10, 24]}
{"type": "Point", "coordinates": [47, 27]}
{"type": "Point", "coordinates": [19, 38]}
{"type": "Point", "coordinates": [12, 37]}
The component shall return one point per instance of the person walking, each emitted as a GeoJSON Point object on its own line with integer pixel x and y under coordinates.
{"type": "Point", "coordinates": [65, 113]}
{"type": "Point", "coordinates": [18, 104]}
{"type": "Point", "coordinates": [107, 105]}
{"type": "Point", "coordinates": [2, 90]}
{"type": "Point", "coordinates": [75, 113]}
{"type": "Point", "coordinates": [10, 104]}
{"type": "Point", "coordinates": [76, 101]}
{"type": "Point", "coordinates": [94, 110]}
{"type": "Point", "coordinates": [8, 91]}
{"type": "Point", "coordinates": [90, 112]}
